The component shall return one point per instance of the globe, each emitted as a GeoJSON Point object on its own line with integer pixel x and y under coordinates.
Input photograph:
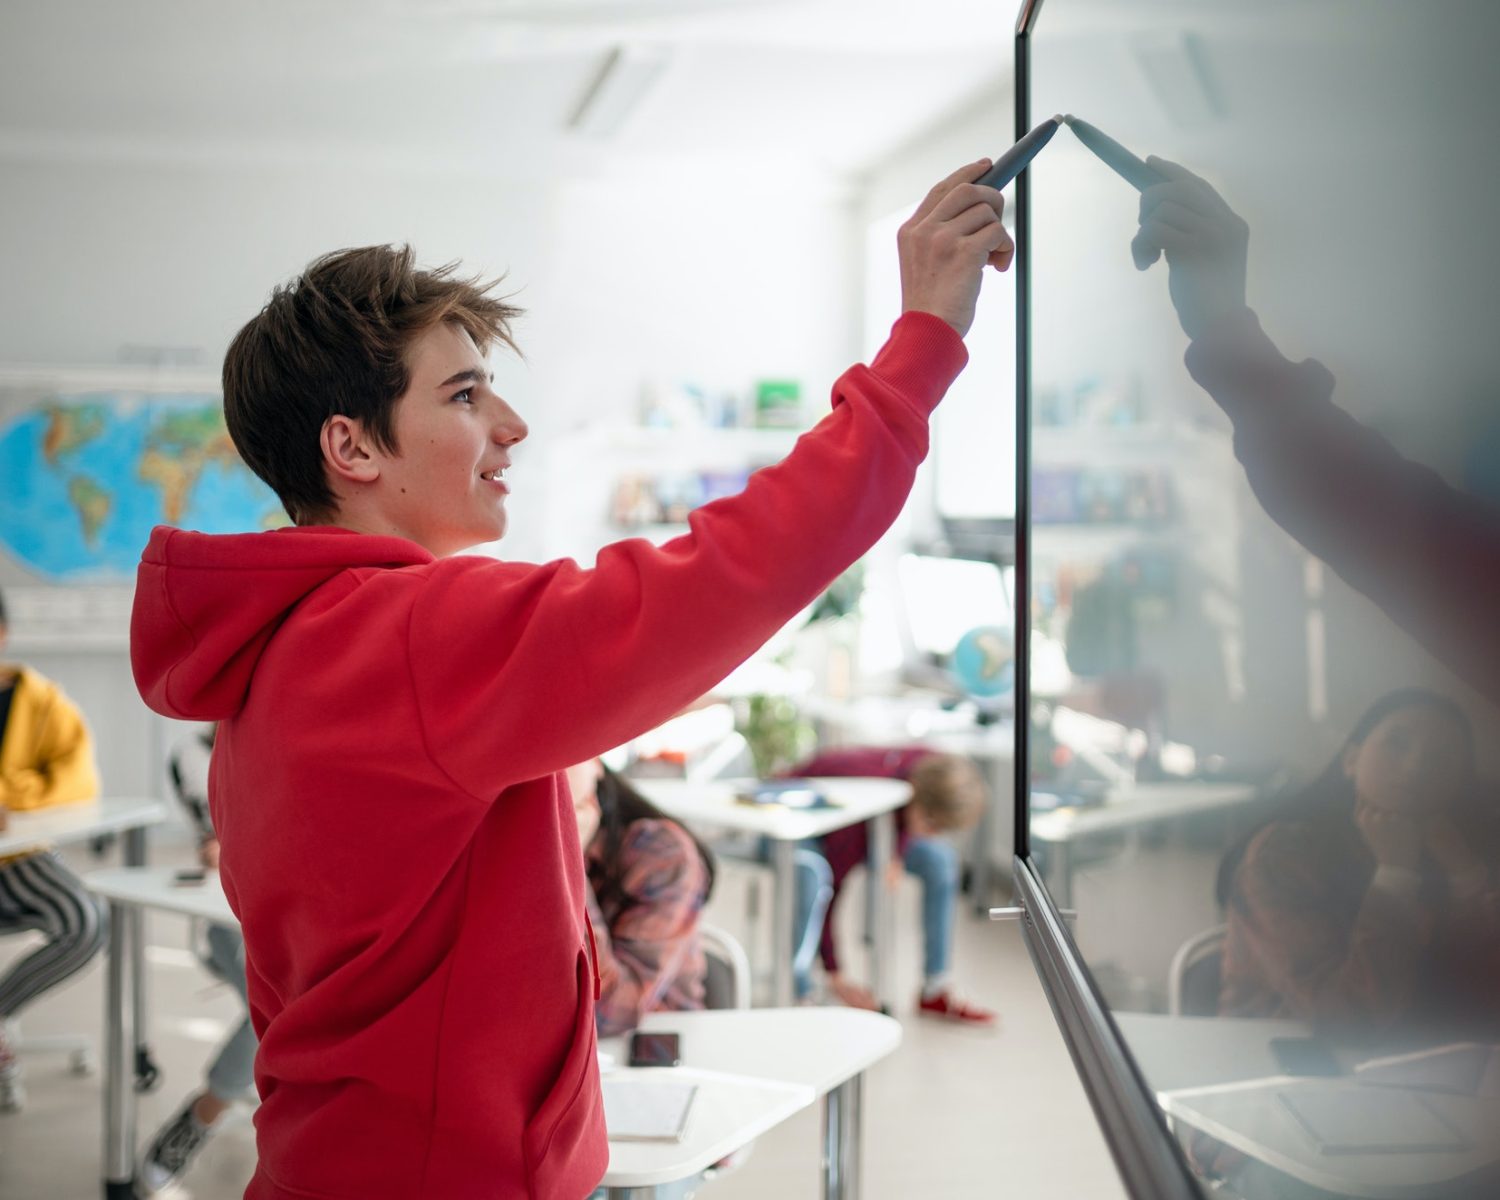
{"type": "Point", "coordinates": [984, 662]}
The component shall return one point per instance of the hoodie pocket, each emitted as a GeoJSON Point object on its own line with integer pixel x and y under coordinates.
{"type": "Point", "coordinates": [566, 1150]}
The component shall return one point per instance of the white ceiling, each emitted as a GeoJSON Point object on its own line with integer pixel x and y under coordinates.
{"type": "Point", "coordinates": [833, 85]}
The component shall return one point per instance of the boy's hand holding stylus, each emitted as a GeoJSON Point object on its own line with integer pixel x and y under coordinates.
{"type": "Point", "coordinates": [1205, 241]}
{"type": "Point", "coordinates": [945, 244]}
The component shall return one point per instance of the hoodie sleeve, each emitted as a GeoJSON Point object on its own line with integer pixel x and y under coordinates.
{"type": "Point", "coordinates": [523, 670]}
{"type": "Point", "coordinates": [1425, 552]}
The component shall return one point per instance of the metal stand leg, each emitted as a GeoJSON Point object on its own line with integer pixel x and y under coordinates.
{"type": "Point", "coordinates": [981, 869]}
{"type": "Point", "coordinates": [119, 1100]}
{"type": "Point", "coordinates": [842, 1144]}
{"type": "Point", "coordinates": [783, 921]}
{"type": "Point", "coordinates": [1060, 877]}
{"type": "Point", "coordinates": [882, 846]}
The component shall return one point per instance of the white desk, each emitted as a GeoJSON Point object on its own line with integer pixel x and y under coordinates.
{"type": "Point", "coordinates": [1220, 1076]}
{"type": "Point", "coordinates": [713, 804]}
{"type": "Point", "coordinates": [1250, 1117]}
{"type": "Point", "coordinates": [1132, 808]}
{"type": "Point", "coordinates": [912, 720]}
{"type": "Point", "coordinates": [130, 890]}
{"type": "Point", "coordinates": [72, 823]}
{"type": "Point", "coordinates": [754, 1068]}
{"type": "Point", "coordinates": [815, 1051]}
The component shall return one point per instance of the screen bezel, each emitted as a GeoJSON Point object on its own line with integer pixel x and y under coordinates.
{"type": "Point", "coordinates": [1152, 1165]}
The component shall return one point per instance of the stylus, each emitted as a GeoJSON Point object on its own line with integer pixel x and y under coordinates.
{"type": "Point", "coordinates": [1115, 156]}
{"type": "Point", "coordinates": [1013, 161]}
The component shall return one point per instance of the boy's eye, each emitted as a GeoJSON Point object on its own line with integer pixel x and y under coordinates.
{"type": "Point", "coordinates": [466, 396]}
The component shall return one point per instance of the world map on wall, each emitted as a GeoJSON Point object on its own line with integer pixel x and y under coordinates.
{"type": "Point", "coordinates": [83, 479]}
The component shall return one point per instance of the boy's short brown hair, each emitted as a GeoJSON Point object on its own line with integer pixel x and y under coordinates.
{"type": "Point", "coordinates": [333, 342]}
{"type": "Point", "coordinates": [948, 790]}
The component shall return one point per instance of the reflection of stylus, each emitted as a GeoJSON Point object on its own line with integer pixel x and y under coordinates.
{"type": "Point", "coordinates": [1013, 161]}
{"type": "Point", "coordinates": [1115, 156]}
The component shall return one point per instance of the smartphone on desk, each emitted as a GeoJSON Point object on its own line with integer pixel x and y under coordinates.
{"type": "Point", "coordinates": [1305, 1056]}
{"type": "Point", "coordinates": [654, 1050]}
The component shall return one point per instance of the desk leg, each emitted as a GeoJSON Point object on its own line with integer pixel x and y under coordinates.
{"type": "Point", "coordinates": [119, 1099]}
{"type": "Point", "coordinates": [882, 847]}
{"type": "Point", "coordinates": [147, 1074]}
{"type": "Point", "coordinates": [783, 921]}
{"type": "Point", "coordinates": [842, 1142]}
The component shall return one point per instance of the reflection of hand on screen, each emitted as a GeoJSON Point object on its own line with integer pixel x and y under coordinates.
{"type": "Point", "coordinates": [1205, 242]}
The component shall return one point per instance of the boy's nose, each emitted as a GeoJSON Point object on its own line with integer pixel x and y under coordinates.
{"type": "Point", "coordinates": [510, 428]}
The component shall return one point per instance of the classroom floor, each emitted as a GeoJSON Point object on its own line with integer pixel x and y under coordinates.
{"type": "Point", "coordinates": [954, 1114]}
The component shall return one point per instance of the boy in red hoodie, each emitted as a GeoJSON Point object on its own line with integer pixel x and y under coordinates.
{"type": "Point", "coordinates": [395, 835]}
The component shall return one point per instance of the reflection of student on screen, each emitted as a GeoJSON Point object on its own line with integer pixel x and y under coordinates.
{"type": "Point", "coordinates": [1369, 901]}
{"type": "Point", "coordinates": [1432, 558]}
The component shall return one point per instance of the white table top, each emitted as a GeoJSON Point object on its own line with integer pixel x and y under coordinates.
{"type": "Point", "coordinates": [1250, 1117]}
{"type": "Point", "coordinates": [77, 822]}
{"type": "Point", "coordinates": [1218, 1074]}
{"type": "Point", "coordinates": [728, 1112]}
{"type": "Point", "coordinates": [152, 887]}
{"type": "Point", "coordinates": [809, 1051]}
{"type": "Point", "coordinates": [1140, 804]}
{"type": "Point", "coordinates": [713, 803]}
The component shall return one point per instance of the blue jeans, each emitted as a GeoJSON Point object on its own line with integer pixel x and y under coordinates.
{"type": "Point", "coordinates": [931, 860]}
{"type": "Point", "coordinates": [935, 863]}
{"type": "Point", "coordinates": [233, 1070]}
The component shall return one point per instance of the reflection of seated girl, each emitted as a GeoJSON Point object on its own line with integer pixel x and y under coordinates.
{"type": "Point", "coordinates": [1371, 901]}
{"type": "Point", "coordinates": [648, 881]}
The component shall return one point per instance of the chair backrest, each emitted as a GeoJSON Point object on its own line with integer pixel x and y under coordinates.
{"type": "Point", "coordinates": [1194, 976]}
{"type": "Point", "coordinates": [728, 980]}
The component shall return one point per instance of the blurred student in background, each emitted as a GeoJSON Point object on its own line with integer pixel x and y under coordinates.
{"type": "Point", "coordinates": [947, 796]}
{"type": "Point", "coordinates": [649, 879]}
{"type": "Point", "coordinates": [46, 759]}
{"type": "Point", "coordinates": [231, 1075]}
{"type": "Point", "coordinates": [1369, 903]}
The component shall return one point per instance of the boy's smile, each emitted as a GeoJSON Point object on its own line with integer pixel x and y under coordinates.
{"type": "Point", "coordinates": [444, 487]}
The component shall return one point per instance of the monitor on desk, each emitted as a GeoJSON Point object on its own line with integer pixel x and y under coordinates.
{"type": "Point", "coordinates": [940, 599]}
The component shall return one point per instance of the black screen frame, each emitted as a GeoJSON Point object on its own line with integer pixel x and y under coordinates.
{"type": "Point", "coordinates": [1152, 1165]}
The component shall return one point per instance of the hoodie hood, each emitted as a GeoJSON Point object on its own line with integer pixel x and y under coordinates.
{"type": "Point", "coordinates": [207, 604]}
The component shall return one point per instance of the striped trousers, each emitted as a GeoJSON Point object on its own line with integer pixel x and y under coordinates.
{"type": "Point", "coordinates": [39, 893]}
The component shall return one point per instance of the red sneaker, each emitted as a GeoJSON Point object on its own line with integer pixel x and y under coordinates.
{"type": "Point", "coordinates": [950, 1008]}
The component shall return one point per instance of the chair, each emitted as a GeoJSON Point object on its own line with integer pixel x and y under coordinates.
{"type": "Point", "coordinates": [1193, 978]}
{"type": "Point", "coordinates": [727, 983]}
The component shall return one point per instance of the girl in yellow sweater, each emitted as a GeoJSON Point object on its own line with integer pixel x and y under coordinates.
{"type": "Point", "coordinates": [46, 758]}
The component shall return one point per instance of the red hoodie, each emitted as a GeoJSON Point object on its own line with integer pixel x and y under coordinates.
{"type": "Point", "coordinates": [396, 840]}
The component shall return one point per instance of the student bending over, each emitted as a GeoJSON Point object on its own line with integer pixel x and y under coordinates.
{"type": "Point", "coordinates": [947, 795]}
{"type": "Point", "coordinates": [649, 879]}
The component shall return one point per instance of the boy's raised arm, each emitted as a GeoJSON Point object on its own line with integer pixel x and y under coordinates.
{"type": "Point", "coordinates": [564, 662]}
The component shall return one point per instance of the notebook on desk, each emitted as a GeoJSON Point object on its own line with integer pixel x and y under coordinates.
{"type": "Point", "coordinates": [789, 793]}
{"type": "Point", "coordinates": [1371, 1121]}
{"type": "Point", "coordinates": [642, 1110]}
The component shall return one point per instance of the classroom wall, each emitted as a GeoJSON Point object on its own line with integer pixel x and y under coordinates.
{"type": "Point", "coordinates": [627, 274]}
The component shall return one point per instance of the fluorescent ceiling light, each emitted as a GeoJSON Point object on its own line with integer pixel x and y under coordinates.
{"type": "Point", "coordinates": [625, 77]}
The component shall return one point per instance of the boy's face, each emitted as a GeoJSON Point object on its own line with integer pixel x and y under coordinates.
{"type": "Point", "coordinates": [443, 488]}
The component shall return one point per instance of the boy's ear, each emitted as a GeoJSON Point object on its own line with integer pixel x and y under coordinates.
{"type": "Point", "coordinates": [348, 451]}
